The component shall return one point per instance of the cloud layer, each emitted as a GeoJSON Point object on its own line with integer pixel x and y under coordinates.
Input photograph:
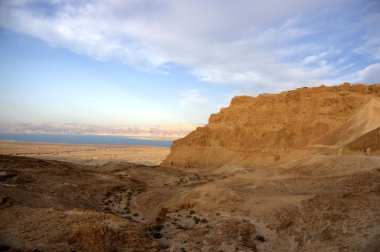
{"type": "Point", "coordinates": [191, 99]}
{"type": "Point", "coordinates": [278, 44]}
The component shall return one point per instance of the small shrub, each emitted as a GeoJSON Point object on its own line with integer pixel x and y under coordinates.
{"type": "Point", "coordinates": [192, 212]}
{"type": "Point", "coordinates": [260, 238]}
{"type": "Point", "coordinates": [156, 235]}
{"type": "Point", "coordinates": [155, 228]}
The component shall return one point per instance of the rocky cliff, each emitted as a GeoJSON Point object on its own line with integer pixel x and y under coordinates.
{"type": "Point", "coordinates": [270, 128]}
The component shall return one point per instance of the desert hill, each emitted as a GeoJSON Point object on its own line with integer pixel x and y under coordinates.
{"type": "Point", "coordinates": [270, 128]}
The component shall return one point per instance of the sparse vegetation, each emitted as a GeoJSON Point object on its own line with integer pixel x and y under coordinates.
{"type": "Point", "coordinates": [155, 231]}
{"type": "Point", "coordinates": [196, 220]}
{"type": "Point", "coordinates": [119, 201]}
{"type": "Point", "coordinates": [180, 227]}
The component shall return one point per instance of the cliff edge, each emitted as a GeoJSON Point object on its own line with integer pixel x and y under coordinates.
{"type": "Point", "coordinates": [271, 128]}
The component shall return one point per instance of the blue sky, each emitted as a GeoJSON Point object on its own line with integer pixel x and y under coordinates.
{"type": "Point", "coordinates": [174, 61]}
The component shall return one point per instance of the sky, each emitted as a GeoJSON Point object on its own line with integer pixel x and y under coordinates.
{"type": "Point", "coordinates": [143, 62]}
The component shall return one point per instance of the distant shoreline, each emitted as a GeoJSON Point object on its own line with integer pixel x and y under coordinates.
{"type": "Point", "coordinates": [87, 139]}
{"type": "Point", "coordinates": [171, 138]}
{"type": "Point", "coordinates": [88, 145]}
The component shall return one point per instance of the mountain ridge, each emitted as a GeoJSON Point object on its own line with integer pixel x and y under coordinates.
{"type": "Point", "coordinates": [170, 131]}
{"type": "Point", "coordinates": [259, 131]}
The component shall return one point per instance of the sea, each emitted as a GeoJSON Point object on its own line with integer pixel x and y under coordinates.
{"type": "Point", "coordinates": [84, 139]}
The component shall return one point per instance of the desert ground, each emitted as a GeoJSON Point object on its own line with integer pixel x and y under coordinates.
{"type": "Point", "coordinates": [49, 205]}
{"type": "Point", "coordinates": [86, 154]}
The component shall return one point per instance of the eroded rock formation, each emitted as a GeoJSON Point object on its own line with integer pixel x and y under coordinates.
{"type": "Point", "coordinates": [262, 130]}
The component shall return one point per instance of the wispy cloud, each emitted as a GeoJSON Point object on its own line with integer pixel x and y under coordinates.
{"type": "Point", "coordinates": [370, 74]}
{"type": "Point", "coordinates": [273, 43]}
{"type": "Point", "coordinates": [191, 99]}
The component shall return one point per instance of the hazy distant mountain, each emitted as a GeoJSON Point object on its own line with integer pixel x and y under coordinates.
{"type": "Point", "coordinates": [172, 131]}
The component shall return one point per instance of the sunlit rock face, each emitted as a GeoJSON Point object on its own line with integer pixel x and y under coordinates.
{"type": "Point", "coordinates": [272, 128]}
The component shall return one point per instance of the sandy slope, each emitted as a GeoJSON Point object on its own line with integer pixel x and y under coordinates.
{"type": "Point", "coordinates": [327, 203]}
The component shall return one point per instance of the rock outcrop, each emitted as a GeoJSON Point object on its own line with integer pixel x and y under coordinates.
{"type": "Point", "coordinates": [260, 131]}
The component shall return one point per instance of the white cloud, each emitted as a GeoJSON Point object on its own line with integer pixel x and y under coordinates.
{"type": "Point", "coordinates": [314, 58]}
{"type": "Point", "coordinates": [237, 42]}
{"type": "Point", "coordinates": [370, 74]}
{"type": "Point", "coordinates": [191, 99]}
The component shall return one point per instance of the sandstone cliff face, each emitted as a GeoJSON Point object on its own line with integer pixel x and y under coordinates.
{"type": "Point", "coordinates": [258, 131]}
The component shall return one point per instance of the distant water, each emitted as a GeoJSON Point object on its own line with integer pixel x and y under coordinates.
{"type": "Point", "coordinates": [83, 139]}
